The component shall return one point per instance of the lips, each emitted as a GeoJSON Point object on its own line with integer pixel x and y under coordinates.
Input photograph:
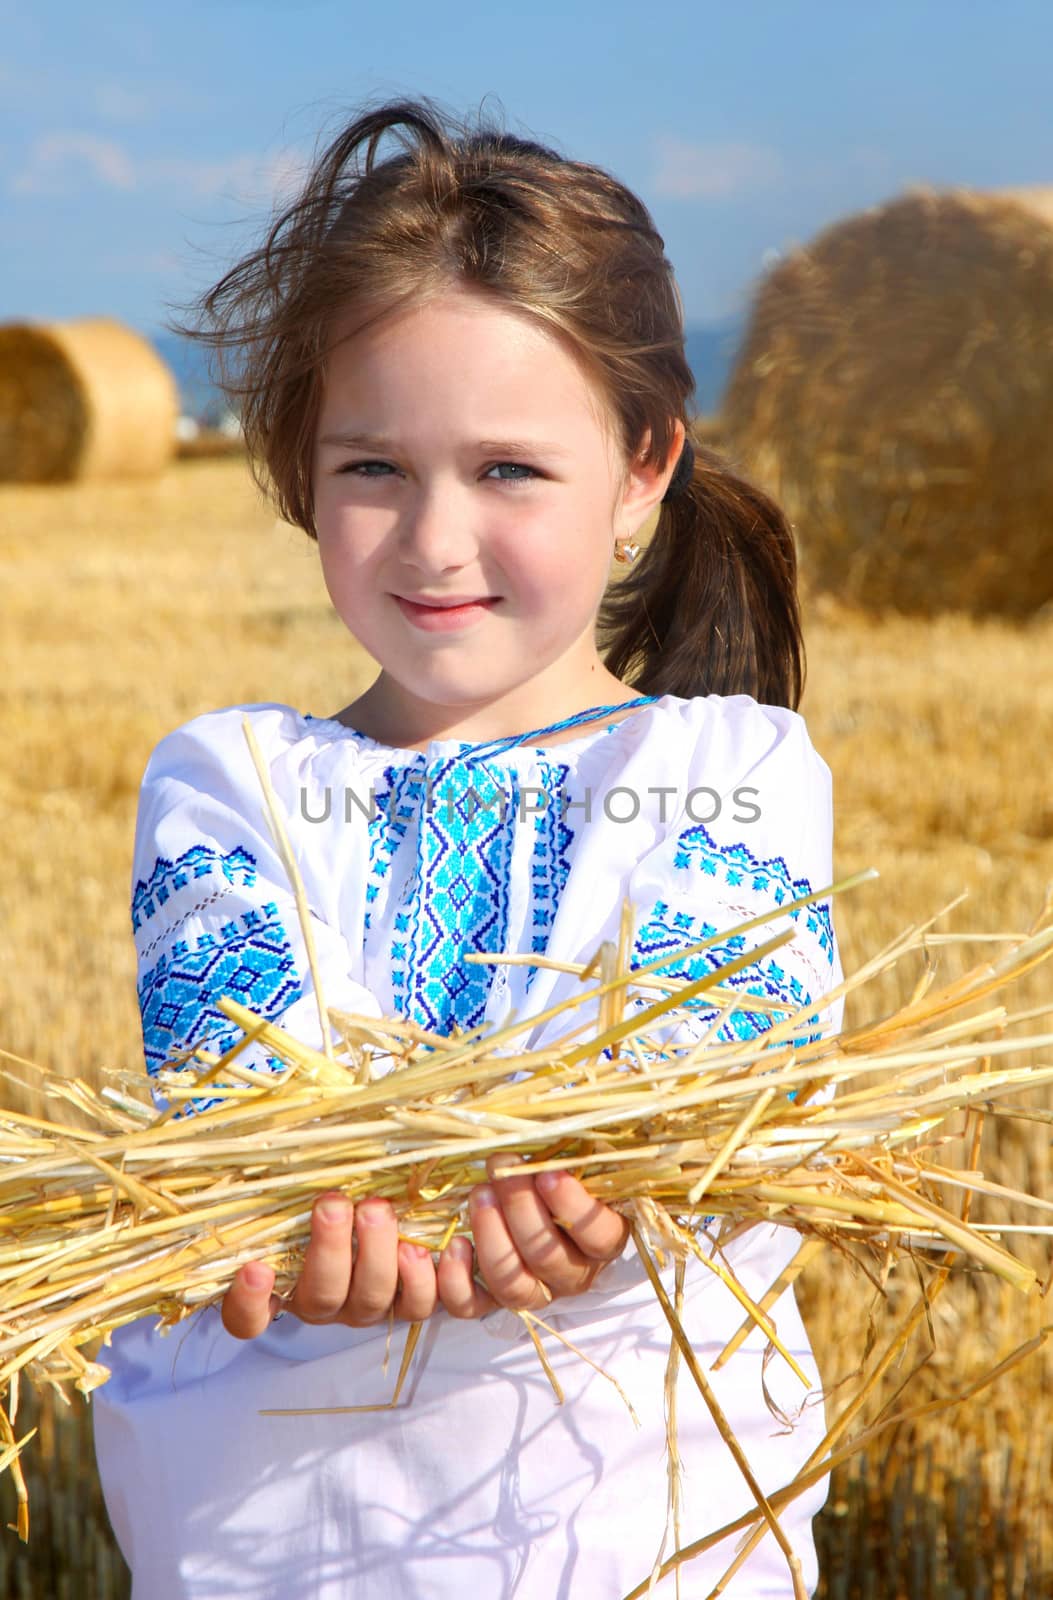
{"type": "Point", "coordinates": [447, 602]}
{"type": "Point", "coordinates": [432, 617]}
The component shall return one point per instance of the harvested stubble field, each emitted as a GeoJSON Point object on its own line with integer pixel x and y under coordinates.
{"type": "Point", "coordinates": [129, 608]}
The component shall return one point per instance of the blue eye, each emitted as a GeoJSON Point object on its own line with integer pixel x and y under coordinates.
{"type": "Point", "coordinates": [359, 468]}
{"type": "Point", "coordinates": [519, 466]}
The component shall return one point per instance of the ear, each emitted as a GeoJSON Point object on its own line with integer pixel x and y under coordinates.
{"type": "Point", "coordinates": [647, 484]}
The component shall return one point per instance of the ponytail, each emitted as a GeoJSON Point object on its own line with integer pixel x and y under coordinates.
{"type": "Point", "coordinates": [710, 606]}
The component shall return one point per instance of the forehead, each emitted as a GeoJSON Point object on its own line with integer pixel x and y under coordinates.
{"type": "Point", "coordinates": [457, 341]}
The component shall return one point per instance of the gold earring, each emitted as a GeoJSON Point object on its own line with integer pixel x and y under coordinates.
{"type": "Point", "coordinates": [626, 550]}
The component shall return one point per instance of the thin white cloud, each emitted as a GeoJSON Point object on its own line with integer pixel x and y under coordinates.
{"type": "Point", "coordinates": [58, 163]}
{"type": "Point", "coordinates": [231, 174]}
{"type": "Point", "coordinates": [248, 179]}
{"type": "Point", "coordinates": [59, 160]}
{"type": "Point", "coordinates": [711, 171]}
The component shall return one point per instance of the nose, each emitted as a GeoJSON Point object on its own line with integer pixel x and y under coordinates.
{"type": "Point", "coordinates": [435, 533]}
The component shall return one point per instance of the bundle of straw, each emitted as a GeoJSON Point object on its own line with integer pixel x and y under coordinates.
{"type": "Point", "coordinates": [139, 1213]}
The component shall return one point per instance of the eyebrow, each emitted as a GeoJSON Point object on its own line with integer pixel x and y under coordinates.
{"type": "Point", "coordinates": [504, 447]}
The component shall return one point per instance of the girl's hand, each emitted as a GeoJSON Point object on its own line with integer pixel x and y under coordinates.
{"type": "Point", "coordinates": [332, 1287]}
{"type": "Point", "coordinates": [526, 1258]}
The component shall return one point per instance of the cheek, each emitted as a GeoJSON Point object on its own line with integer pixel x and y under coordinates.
{"type": "Point", "coordinates": [547, 565]}
{"type": "Point", "coordinates": [342, 563]}
{"type": "Point", "coordinates": [566, 573]}
{"type": "Point", "coordinates": [348, 541]}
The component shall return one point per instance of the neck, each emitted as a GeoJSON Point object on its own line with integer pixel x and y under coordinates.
{"type": "Point", "coordinates": [415, 725]}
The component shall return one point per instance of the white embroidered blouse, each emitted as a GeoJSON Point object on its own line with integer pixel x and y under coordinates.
{"type": "Point", "coordinates": [705, 812]}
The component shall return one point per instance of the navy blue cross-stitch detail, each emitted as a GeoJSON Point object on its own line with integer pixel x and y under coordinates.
{"type": "Point", "coordinates": [398, 798]}
{"type": "Point", "coordinates": [666, 931]}
{"type": "Point", "coordinates": [735, 866]}
{"type": "Point", "coordinates": [199, 861]}
{"type": "Point", "coordinates": [456, 896]}
{"type": "Point", "coordinates": [459, 897]}
{"type": "Point", "coordinates": [549, 862]}
{"type": "Point", "coordinates": [250, 959]}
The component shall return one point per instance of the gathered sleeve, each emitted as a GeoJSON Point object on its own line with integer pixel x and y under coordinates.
{"type": "Point", "coordinates": [213, 910]}
{"type": "Point", "coordinates": [754, 831]}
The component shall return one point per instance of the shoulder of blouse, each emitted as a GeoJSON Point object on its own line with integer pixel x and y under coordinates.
{"type": "Point", "coordinates": [215, 739]}
{"type": "Point", "coordinates": [737, 732]}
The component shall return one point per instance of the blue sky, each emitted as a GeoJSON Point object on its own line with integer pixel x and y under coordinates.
{"type": "Point", "coordinates": [139, 147]}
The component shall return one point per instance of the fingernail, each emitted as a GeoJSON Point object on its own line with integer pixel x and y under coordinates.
{"type": "Point", "coordinates": [257, 1276]}
{"type": "Point", "coordinates": [504, 1158]}
{"type": "Point", "coordinates": [547, 1182]}
{"type": "Point", "coordinates": [372, 1212]}
{"type": "Point", "coordinates": [485, 1196]}
{"type": "Point", "coordinates": [334, 1210]}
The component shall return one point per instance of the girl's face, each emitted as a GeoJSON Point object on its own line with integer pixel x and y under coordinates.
{"type": "Point", "coordinates": [486, 475]}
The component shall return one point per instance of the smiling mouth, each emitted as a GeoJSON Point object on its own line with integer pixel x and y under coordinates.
{"type": "Point", "coordinates": [433, 618]}
{"type": "Point", "coordinates": [448, 605]}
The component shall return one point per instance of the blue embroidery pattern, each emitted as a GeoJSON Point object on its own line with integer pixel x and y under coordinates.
{"type": "Point", "coordinates": [250, 958]}
{"type": "Point", "coordinates": [199, 861]}
{"type": "Point", "coordinates": [698, 857]}
{"type": "Point", "coordinates": [672, 931]}
{"type": "Point", "coordinates": [736, 866]}
{"type": "Point", "coordinates": [549, 864]}
{"type": "Point", "coordinates": [457, 885]}
{"type": "Point", "coordinates": [458, 898]}
{"type": "Point", "coordinates": [399, 798]}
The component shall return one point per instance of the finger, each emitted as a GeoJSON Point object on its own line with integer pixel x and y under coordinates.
{"type": "Point", "coordinates": [375, 1274]}
{"type": "Point", "coordinates": [458, 1290]}
{"type": "Point", "coordinates": [245, 1309]}
{"type": "Point", "coordinates": [418, 1291]}
{"type": "Point", "coordinates": [547, 1252]}
{"type": "Point", "coordinates": [325, 1277]}
{"type": "Point", "coordinates": [599, 1232]}
{"type": "Point", "coordinates": [506, 1275]}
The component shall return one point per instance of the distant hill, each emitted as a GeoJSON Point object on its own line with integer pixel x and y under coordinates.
{"type": "Point", "coordinates": [189, 363]}
{"type": "Point", "coordinates": [710, 352]}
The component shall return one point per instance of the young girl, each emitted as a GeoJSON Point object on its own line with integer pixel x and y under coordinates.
{"type": "Point", "coordinates": [464, 377]}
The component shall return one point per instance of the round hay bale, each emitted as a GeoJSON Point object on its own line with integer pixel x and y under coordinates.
{"type": "Point", "coordinates": [83, 399]}
{"type": "Point", "coordinates": [894, 392]}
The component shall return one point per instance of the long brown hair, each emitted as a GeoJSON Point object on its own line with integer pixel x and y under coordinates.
{"type": "Point", "coordinates": [711, 605]}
